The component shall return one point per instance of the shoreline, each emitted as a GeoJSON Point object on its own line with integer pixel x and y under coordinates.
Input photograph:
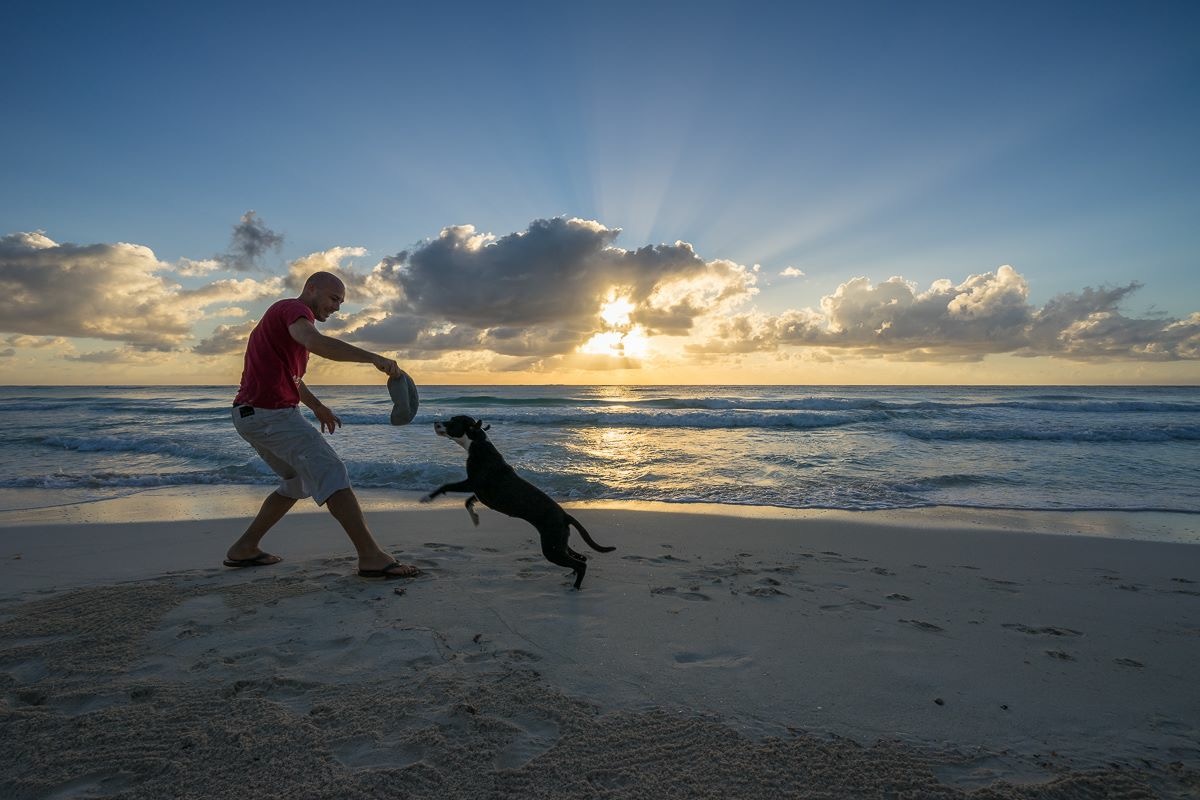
{"type": "Point", "coordinates": [886, 649]}
{"type": "Point", "coordinates": [20, 507]}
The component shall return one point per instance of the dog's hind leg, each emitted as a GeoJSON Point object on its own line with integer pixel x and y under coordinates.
{"type": "Point", "coordinates": [554, 548]}
{"type": "Point", "coordinates": [471, 501]}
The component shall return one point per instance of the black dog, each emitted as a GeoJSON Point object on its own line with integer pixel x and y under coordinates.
{"type": "Point", "coordinates": [494, 483]}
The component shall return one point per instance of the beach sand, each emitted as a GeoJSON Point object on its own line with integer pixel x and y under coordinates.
{"type": "Point", "coordinates": [728, 653]}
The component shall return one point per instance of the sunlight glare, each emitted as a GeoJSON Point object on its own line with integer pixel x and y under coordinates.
{"type": "Point", "coordinates": [616, 311]}
{"type": "Point", "coordinates": [628, 344]}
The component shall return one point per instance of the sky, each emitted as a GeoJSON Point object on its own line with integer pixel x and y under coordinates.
{"type": "Point", "coordinates": [616, 193]}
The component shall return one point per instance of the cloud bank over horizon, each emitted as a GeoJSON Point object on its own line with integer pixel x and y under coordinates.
{"type": "Point", "coordinates": [543, 297]}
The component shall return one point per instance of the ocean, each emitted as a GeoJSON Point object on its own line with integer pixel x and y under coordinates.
{"type": "Point", "coordinates": [803, 447]}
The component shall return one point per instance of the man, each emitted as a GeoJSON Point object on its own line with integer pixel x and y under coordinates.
{"type": "Point", "coordinates": [265, 414]}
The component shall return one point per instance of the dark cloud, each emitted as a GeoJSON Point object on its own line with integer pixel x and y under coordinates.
{"type": "Point", "coordinates": [555, 270]}
{"type": "Point", "coordinates": [538, 292]}
{"type": "Point", "coordinates": [251, 240]}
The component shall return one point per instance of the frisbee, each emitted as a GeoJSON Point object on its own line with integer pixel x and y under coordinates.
{"type": "Point", "coordinates": [404, 399]}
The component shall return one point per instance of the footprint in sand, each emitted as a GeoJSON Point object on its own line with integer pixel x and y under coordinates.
{"type": "Point", "coordinates": [368, 752]}
{"type": "Point", "coordinates": [671, 591]}
{"type": "Point", "coordinates": [1060, 655]}
{"type": "Point", "coordinates": [858, 605]}
{"type": "Point", "coordinates": [923, 626]}
{"type": "Point", "coordinates": [1045, 630]}
{"type": "Point", "coordinates": [719, 659]}
{"type": "Point", "coordinates": [94, 784]}
{"type": "Point", "coordinates": [535, 737]}
{"type": "Point", "coordinates": [1128, 662]}
{"type": "Point", "coordinates": [665, 559]}
{"type": "Point", "coordinates": [507, 655]}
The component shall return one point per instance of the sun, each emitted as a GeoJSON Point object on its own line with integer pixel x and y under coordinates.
{"type": "Point", "coordinates": [621, 340]}
{"type": "Point", "coordinates": [616, 311]}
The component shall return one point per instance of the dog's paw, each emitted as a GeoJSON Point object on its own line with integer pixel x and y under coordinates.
{"type": "Point", "coordinates": [475, 519]}
{"type": "Point", "coordinates": [426, 498]}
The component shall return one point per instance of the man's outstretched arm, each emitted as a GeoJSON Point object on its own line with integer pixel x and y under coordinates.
{"type": "Point", "coordinates": [304, 332]}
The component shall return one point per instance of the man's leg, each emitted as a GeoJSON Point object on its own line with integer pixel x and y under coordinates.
{"type": "Point", "coordinates": [343, 504]}
{"type": "Point", "coordinates": [272, 510]}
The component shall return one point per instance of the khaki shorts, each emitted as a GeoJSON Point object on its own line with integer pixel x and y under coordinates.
{"type": "Point", "coordinates": [295, 451]}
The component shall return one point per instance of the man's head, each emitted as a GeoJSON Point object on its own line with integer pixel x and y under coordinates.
{"type": "Point", "coordinates": [324, 294]}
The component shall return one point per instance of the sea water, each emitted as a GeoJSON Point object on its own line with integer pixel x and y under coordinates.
{"type": "Point", "coordinates": [830, 447]}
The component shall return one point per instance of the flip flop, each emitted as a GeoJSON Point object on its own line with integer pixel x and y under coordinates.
{"type": "Point", "coordinates": [408, 571]}
{"type": "Point", "coordinates": [260, 560]}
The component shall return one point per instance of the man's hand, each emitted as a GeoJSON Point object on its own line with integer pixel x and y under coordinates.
{"type": "Point", "coordinates": [387, 365]}
{"type": "Point", "coordinates": [329, 420]}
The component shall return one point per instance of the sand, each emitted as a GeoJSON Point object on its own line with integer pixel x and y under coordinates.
{"type": "Point", "coordinates": [730, 653]}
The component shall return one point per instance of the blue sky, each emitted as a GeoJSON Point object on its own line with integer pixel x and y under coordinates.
{"type": "Point", "coordinates": [841, 140]}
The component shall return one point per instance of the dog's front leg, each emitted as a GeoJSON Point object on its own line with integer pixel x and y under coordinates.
{"type": "Point", "coordinates": [461, 486]}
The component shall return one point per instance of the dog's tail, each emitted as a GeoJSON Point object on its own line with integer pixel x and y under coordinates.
{"type": "Point", "coordinates": [587, 537]}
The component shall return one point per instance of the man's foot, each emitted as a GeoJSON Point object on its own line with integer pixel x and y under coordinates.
{"type": "Point", "coordinates": [392, 570]}
{"type": "Point", "coordinates": [260, 560]}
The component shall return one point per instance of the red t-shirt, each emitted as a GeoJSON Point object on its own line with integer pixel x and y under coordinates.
{"type": "Point", "coordinates": [275, 362]}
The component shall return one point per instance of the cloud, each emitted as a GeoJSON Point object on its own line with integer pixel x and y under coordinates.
{"type": "Point", "coordinates": [231, 290]}
{"type": "Point", "coordinates": [251, 240]}
{"type": "Point", "coordinates": [362, 288]}
{"type": "Point", "coordinates": [225, 339]}
{"type": "Point", "coordinates": [792, 272]}
{"type": "Point", "coordinates": [37, 342]}
{"type": "Point", "coordinates": [102, 291]}
{"type": "Point", "coordinates": [194, 269]}
{"type": "Point", "coordinates": [124, 356]}
{"type": "Point", "coordinates": [559, 293]}
{"type": "Point", "coordinates": [114, 292]}
{"type": "Point", "coordinates": [539, 292]}
{"type": "Point", "coordinates": [985, 314]}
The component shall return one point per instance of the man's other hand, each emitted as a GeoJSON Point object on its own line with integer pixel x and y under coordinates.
{"type": "Point", "coordinates": [329, 421]}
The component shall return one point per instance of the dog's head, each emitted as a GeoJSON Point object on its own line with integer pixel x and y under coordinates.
{"type": "Point", "coordinates": [462, 429]}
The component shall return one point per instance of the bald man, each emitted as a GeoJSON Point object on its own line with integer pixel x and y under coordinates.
{"type": "Point", "coordinates": [266, 415]}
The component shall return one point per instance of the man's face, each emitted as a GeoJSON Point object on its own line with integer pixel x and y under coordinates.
{"type": "Point", "coordinates": [329, 299]}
